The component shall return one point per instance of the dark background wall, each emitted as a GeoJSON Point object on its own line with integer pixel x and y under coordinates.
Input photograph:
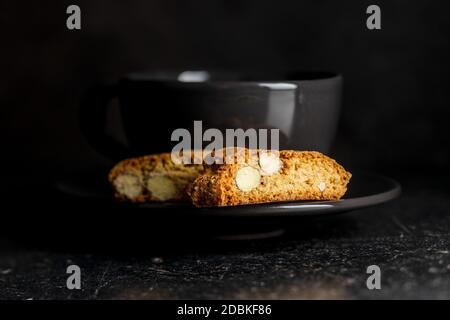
{"type": "Point", "coordinates": [396, 97]}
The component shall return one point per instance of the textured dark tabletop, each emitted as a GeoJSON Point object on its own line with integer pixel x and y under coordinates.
{"type": "Point", "coordinates": [123, 256]}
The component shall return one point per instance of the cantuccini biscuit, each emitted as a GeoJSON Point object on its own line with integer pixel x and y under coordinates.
{"type": "Point", "coordinates": [270, 177]}
{"type": "Point", "coordinates": [153, 178]}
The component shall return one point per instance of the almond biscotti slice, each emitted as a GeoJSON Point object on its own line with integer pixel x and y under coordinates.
{"type": "Point", "coordinates": [270, 177]}
{"type": "Point", "coordinates": [153, 178]}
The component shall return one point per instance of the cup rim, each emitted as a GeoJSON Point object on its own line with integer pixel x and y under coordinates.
{"type": "Point", "coordinates": [227, 78]}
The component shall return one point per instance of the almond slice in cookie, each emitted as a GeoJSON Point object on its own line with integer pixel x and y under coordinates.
{"type": "Point", "coordinates": [247, 178]}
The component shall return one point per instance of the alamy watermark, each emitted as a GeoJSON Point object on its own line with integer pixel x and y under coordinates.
{"type": "Point", "coordinates": [373, 22]}
{"type": "Point", "coordinates": [73, 21]}
{"type": "Point", "coordinates": [222, 148]}
{"type": "Point", "coordinates": [374, 280]}
{"type": "Point", "coordinates": [74, 280]}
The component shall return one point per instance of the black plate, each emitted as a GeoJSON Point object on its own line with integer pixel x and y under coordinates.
{"type": "Point", "coordinates": [365, 189]}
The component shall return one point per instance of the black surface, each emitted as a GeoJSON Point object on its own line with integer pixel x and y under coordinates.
{"type": "Point", "coordinates": [326, 257]}
{"type": "Point", "coordinates": [365, 189]}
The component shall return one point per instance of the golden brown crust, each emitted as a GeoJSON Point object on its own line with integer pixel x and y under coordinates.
{"type": "Point", "coordinates": [304, 175]}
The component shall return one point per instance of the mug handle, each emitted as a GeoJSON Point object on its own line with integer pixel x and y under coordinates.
{"type": "Point", "coordinates": [92, 121]}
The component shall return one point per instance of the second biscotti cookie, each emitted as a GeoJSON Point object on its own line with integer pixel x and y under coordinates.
{"type": "Point", "coordinates": [287, 176]}
{"type": "Point", "coordinates": [152, 178]}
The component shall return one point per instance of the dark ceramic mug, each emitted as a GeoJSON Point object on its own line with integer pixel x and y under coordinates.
{"type": "Point", "coordinates": [304, 106]}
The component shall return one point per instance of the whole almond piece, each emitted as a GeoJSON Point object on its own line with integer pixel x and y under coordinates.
{"type": "Point", "coordinates": [269, 163]}
{"type": "Point", "coordinates": [247, 178]}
